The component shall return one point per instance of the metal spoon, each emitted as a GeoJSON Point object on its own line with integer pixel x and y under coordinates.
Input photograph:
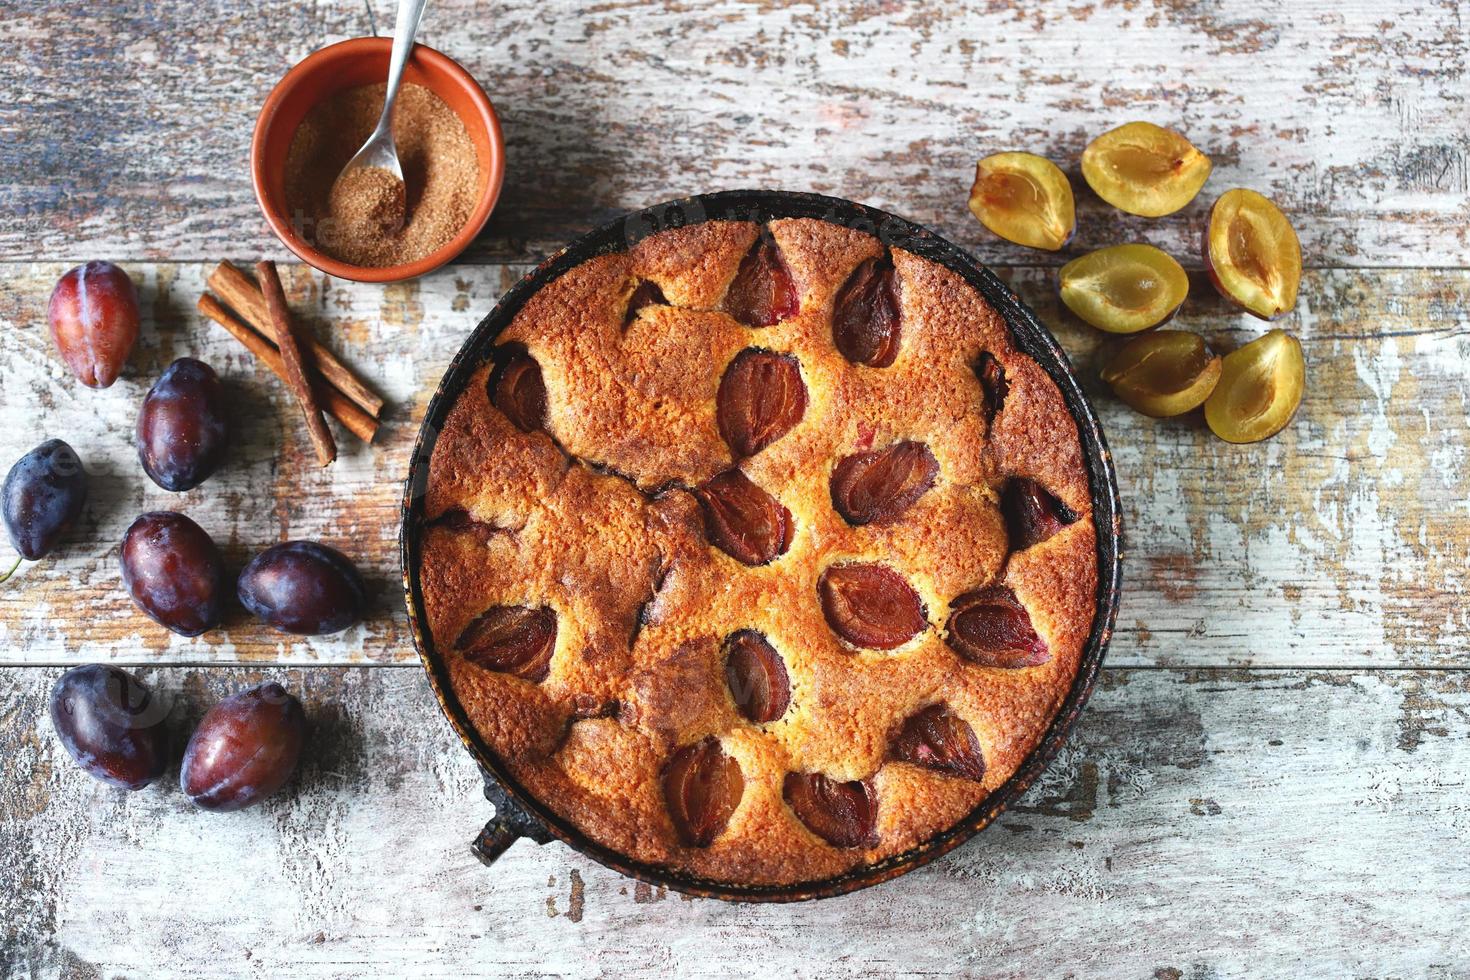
{"type": "Point", "coordinates": [380, 151]}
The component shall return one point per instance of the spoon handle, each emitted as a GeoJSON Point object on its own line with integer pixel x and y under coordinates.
{"type": "Point", "coordinates": [409, 12]}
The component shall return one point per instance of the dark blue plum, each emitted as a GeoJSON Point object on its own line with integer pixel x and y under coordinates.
{"type": "Point", "coordinates": [111, 724]}
{"type": "Point", "coordinates": [174, 573]}
{"type": "Point", "coordinates": [183, 428]}
{"type": "Point", "coordinates": [44, 494]}
{"type": "Point", "coordinates": [303, 587]}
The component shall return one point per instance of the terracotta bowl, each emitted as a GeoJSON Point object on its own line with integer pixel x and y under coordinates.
{"type": "Point", "coordinates": [364, 61]}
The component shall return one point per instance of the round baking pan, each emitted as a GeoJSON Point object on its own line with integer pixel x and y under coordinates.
{"type": "Point", "coordinates": [517, 813]}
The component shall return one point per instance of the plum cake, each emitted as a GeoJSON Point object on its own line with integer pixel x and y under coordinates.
{"type": "Point", "coordinates": [759, 552]}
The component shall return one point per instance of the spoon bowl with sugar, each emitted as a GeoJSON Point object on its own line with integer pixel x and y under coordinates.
{"type": "Point", "coordinates": [371, 185]}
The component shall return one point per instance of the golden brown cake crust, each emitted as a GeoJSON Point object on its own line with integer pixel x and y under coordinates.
{"type": "Point", "coordinates": [594, 519]}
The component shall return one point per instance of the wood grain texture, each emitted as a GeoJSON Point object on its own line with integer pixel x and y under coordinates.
{"type": "Point", "coordinates": [1202, 824]}
{"type": "Point", "coordinates": [1345, 541]}
{"type": "Point", "coordinates": [127, 126]}
{"type": "Point", "coordinates": [1270, 781]}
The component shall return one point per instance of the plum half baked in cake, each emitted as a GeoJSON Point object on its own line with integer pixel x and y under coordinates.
{"type": "Point", "coordinates": [758, 551]}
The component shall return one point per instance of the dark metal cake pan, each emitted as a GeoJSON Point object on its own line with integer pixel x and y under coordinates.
{"type": "Point", "coordinates": [517, 813]}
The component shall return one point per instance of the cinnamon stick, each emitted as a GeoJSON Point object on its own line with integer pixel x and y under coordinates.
{"type": "Point", "coordinates": [240, 293]}
{"type": "Point", "coordinates": [296, 377]}
{"type": "Point", "coordinates": [342, 408]}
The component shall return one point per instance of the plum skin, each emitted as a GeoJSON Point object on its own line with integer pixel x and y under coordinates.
{"type": "Point", "coordinates": [847, 592]}
{"type": "Point", "coordinates": [183, 426]}
{"type": "Point", "coordinates": [303, 587]}
{"type": "Point", "coordinates": [703, 787]}
{"type": "Point", "coordinates": [761, 398]}
{"type": "Point", "coordinates": [515, 640]}
{"type": "Point", "coordinates": [245, 748]}
{"type": "Point", "coordinates": [45, 492]}
{"type": "Point", "coordinates": [517, 388]}
{"type": "Point", "coordinates": [93, 314]}
{"type": "Point", "coordinates": [111, 725]}
{"type": "Point", "coordinates": [173, 570]}
{"type": "Point", "coordinates": [763, 292]}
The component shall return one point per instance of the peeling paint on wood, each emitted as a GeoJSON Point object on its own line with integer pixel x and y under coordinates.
{"type": "Point", "coordinates": [1218, 823]}
{"type": "Point", "coordinates": [1353, 115]}
{"type": "Point", "coordinates": [1344, 541]}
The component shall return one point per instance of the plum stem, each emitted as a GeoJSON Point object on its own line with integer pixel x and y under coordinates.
{"type": "Point", "coordinates": [11, 571]}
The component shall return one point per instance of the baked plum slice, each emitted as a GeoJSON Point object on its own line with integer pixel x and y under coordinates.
{"type": "Point", "coordinates": [646, 293]}
{"type": "Point", "coordinates": [702, 789]}
{"type": "Point", "coordinates": [1164, 373]}
{"type": "Point", "coordinates": [1144, 169]}
{"type": "Point", "coordinates": [517, 389]}
{"type": "Point", "coordinates": [756, 674]}
{"type": "Point", "coordinates": [877, 487]}
{"type": "Point", "coordinates": [762, 293]}
{"type": "Point", "coordinates": [1025, 199]}
{"type": "Point", "coordinates": [1260, 389]}
{"type": "Point", "coordinates": [993, 384]}
{"type": "Point", "coordinates": [844, 814]}
{"type": "Point", "coordinates": [457, 520]}
{"type": "Point", "coordinates": [516, 640]}
{"type": "Point", "coordinates": [937, 738]}
{"type": "Point", "coordinates": [1125, 288]}
{"type": "Point", "coordinates": [1032, 512]}
{"type": "Point", "coordinates": [761, 398]}
{"type": "Point", "coordinates": [870, 606]}
{"type": "Point", "coordinates": [990, 627]}
{"type": "Point", "coordinates": [865, 314]}
{"type": "Point", "coordinates": [744, 521]}
{"type": "Point", "coordinates": [1252, 254]}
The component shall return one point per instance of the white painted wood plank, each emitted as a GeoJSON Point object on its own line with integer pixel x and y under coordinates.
{"type": "Point", "coordinates": [127, 130]}
{"type": "Point", "coordinates": [1213, 823]}
{"type": "Point", "coordinates": [1345, 541]}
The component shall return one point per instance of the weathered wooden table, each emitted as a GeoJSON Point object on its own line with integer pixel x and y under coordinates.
{"type": "Point", "coordinates": [1273, 777]}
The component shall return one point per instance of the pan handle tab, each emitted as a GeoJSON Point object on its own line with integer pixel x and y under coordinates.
{"type": "Point", "coordinates": [510, 823]}
{"type": "Point", "coordinates": [494, 840]}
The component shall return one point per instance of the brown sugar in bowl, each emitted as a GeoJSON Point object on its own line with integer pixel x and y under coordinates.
{"type": "Point", "coordinates": [345, 65]}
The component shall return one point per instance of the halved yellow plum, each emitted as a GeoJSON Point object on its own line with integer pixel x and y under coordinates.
{"type": "Point", "coordinates": [1125, 288]}
{"type": "Point", "coordinates": [1252, 254]}
{"type": "Point", "coordinates": [1025, 199]}
{"type": "Point", "coordinates": [1144, 169]}
{"type": "Point", "coordinates": [1164, 373]}
{"type": "Point", "coordinates": [1260, 388]}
